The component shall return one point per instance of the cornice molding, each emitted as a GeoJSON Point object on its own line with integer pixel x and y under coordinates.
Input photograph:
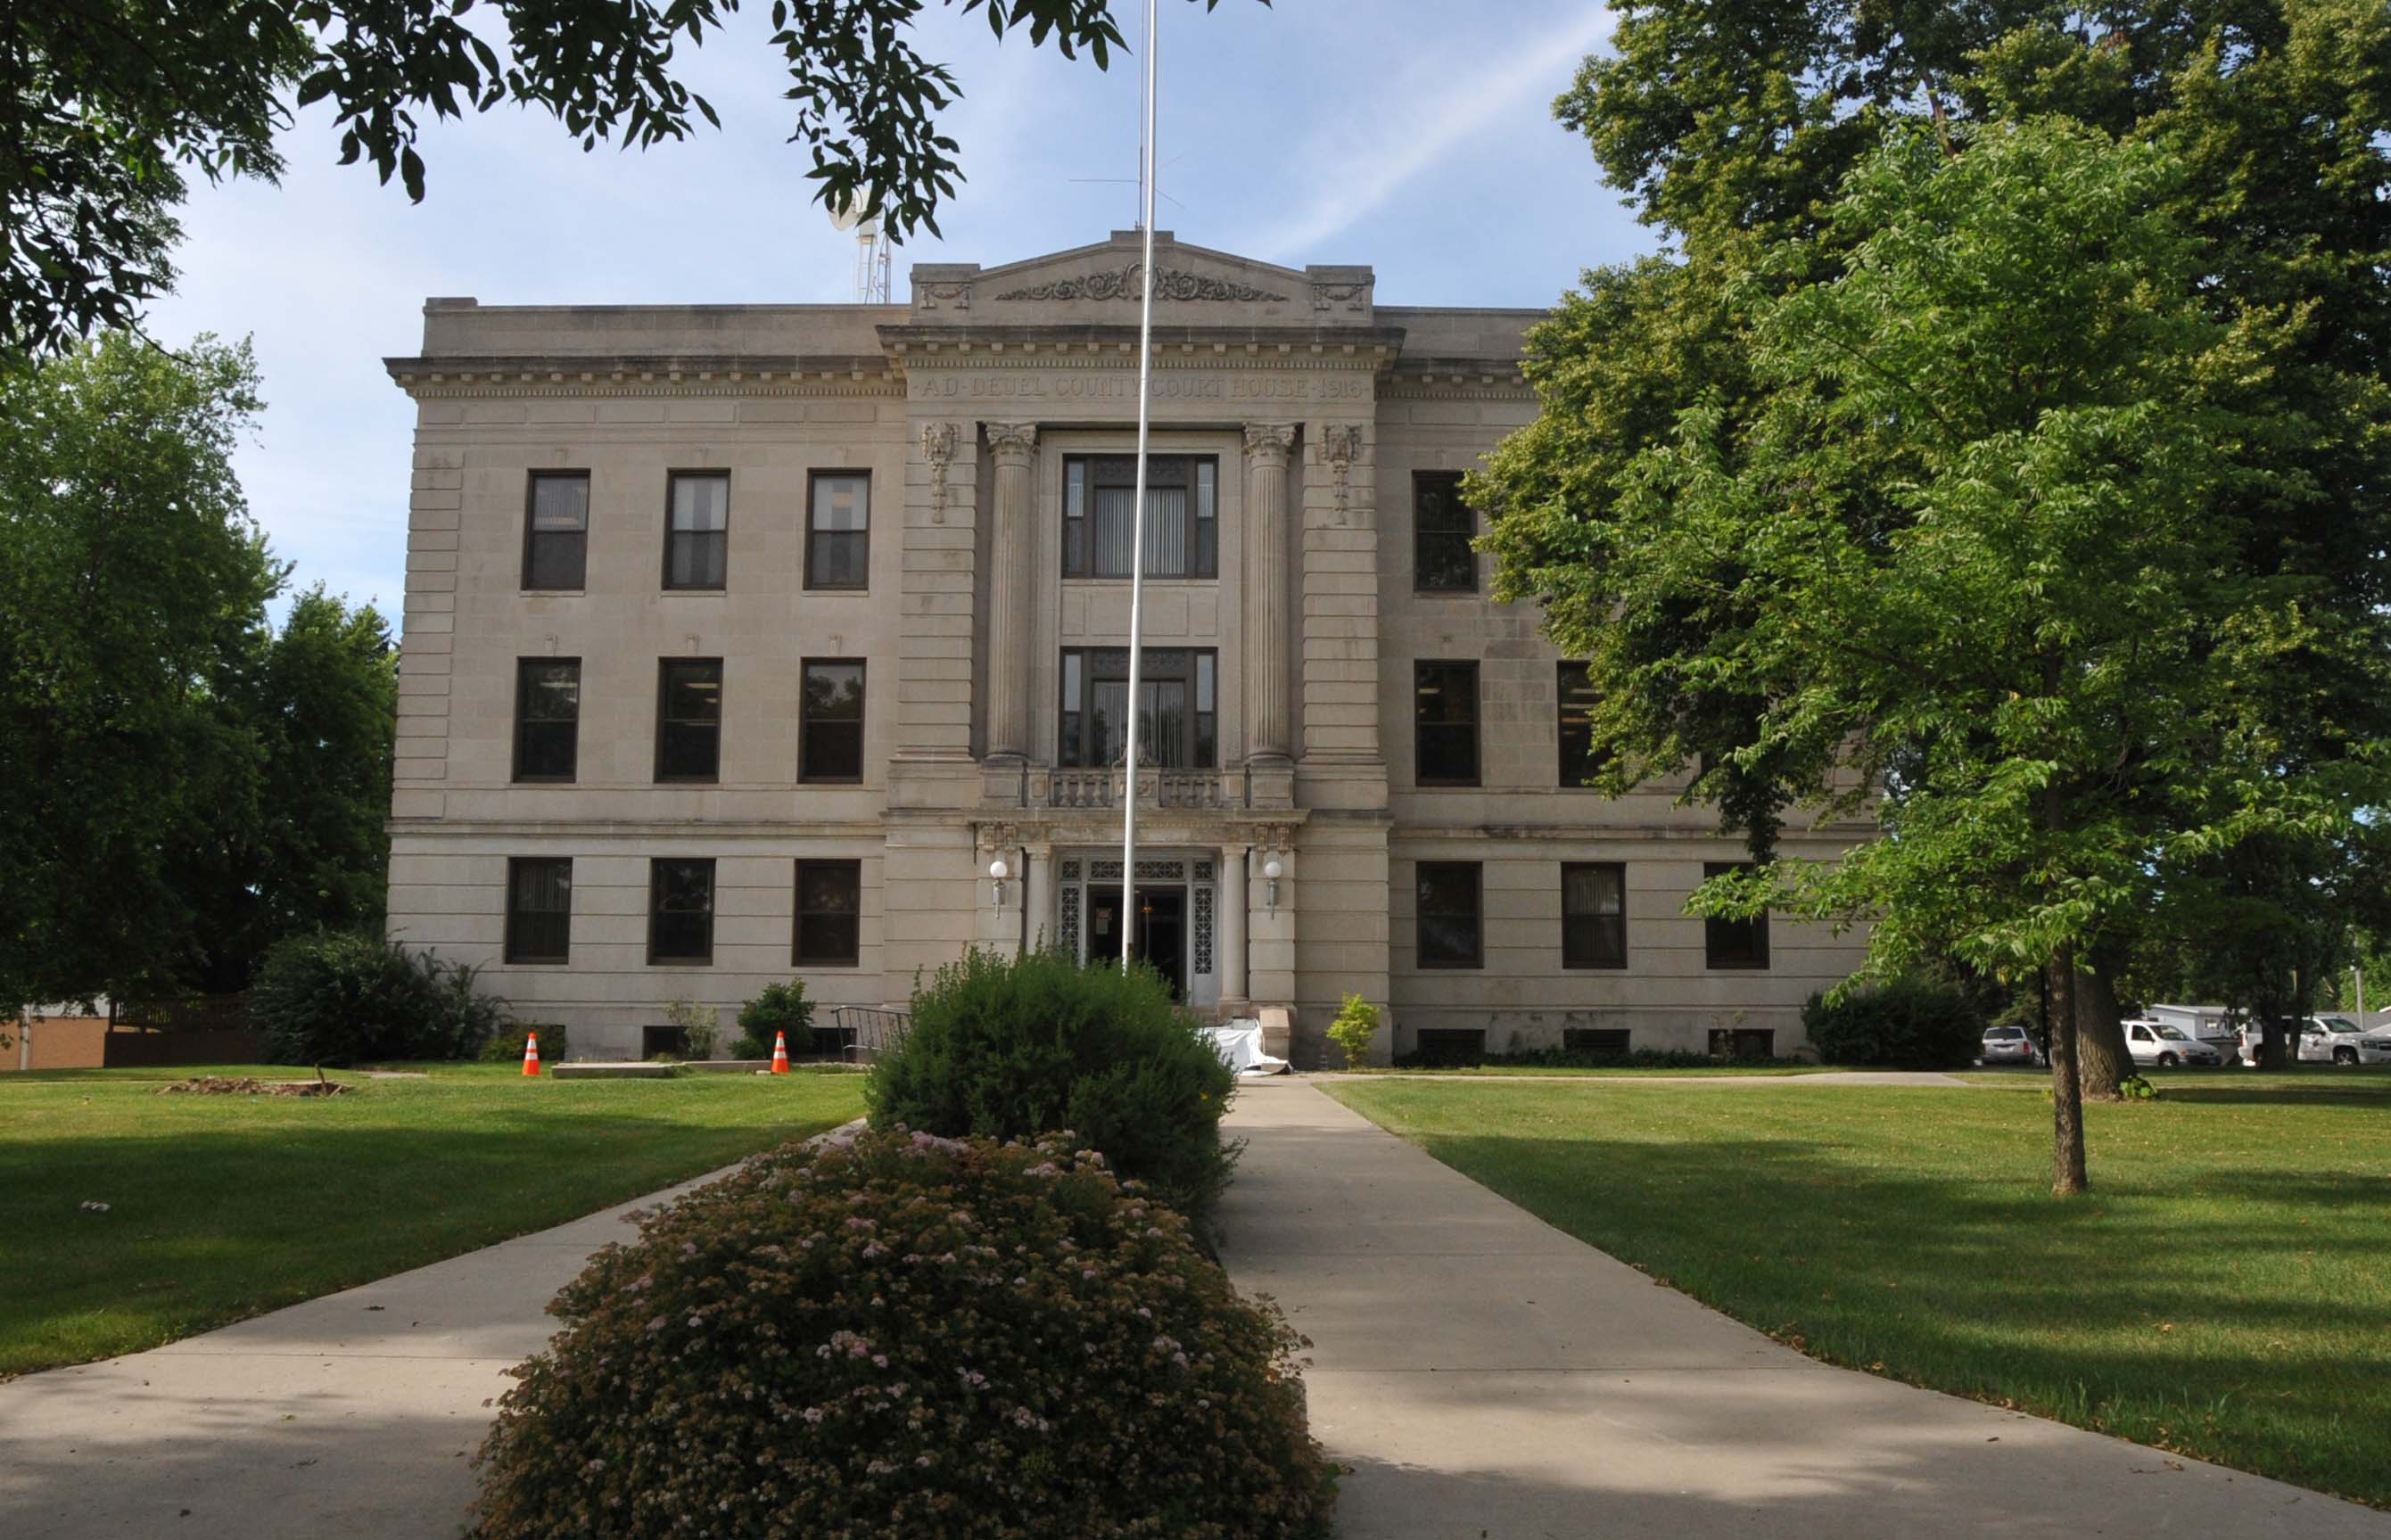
{"type": "Point", "coordinates": [1170, 283]}
{"type": "Point", "coordinates": [431, 379]}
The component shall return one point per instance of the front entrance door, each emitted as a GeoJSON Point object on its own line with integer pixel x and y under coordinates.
{"type": "Point", "coordinates": [1157, 937]}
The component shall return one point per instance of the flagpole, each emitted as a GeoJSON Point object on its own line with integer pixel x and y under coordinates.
{"type": "Point", "coordinates": [1137, 501]}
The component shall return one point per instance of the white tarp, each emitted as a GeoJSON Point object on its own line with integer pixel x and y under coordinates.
{"type": "Point", "coordinates": [1239, 1042]}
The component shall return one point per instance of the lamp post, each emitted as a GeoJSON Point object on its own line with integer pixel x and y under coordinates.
{"type": "Point", "coordinates": [1272, 871]}
{"type": "Point", "coordinates": [997, 871]}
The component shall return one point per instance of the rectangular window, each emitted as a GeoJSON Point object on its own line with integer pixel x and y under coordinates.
{"type": "Point", "coordinates": [1178, 723]}
{"type": "Point", "coordinates": [681, 912]}
{"type": "Point", "coordinates": [539, 910]}
{"type": "Point", "coordinates": [1580, 761]}
{"type": "Point", "coordinates": [1603, 1042]}
{"type": "Point", "coordinates": [556, 530]}
{"type": "Point", "coordinates": [548, 718]}
{"type": "Point", "coordinates": [838, 530]}
{"type": "Point", "coordinates": [830, 911]}
{"type": "Point", "coordinates": [697, 529]}
{"type": "Point", "coordinates": [1451, 932]}
{"type": "Point", "coordinates": [1734, 943]}
{"type": "Point", "coordinates": [1743, 1043]}
{"type": "Point", "coordinates": [1182, 515]}
{"type": "Point", "coordinates": [1444, 719]}
{"type": "Point", "coordinates": [1593, 915]}
{"type": "Point", "coordinates": [689, 718]}
{"type": "Point", "coordinates": [829, 726]}
{"type": "Point", "coordinates": [1443, 526]}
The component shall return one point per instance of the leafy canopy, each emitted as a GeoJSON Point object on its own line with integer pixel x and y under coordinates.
{"type": "Point", "coordinates": [106, 105]}
{"type": "Point", "coordinates": [179, 785]}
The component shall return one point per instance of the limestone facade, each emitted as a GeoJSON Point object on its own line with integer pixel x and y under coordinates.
{"type": "Point", "coordinates": [784, 507]}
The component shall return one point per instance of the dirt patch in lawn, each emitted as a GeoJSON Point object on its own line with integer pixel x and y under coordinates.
{"type": "Point", "coordinates": [249, 1085]}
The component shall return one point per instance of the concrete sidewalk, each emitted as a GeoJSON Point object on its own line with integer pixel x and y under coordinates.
{"type": "Point", "coordinates": [348, 1418]}
{"type": "Point", "coordinates": [1488, 1377]}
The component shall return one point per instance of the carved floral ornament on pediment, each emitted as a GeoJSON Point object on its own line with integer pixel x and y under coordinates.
{"type": "Point", "coordinates": [1170, 283]}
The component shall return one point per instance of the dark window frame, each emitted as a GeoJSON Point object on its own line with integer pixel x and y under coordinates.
{"type": "Point", "coordinates": [814, 583]}
{"type": "Point", "coordinates": [1611, 957]}
{"type": "Point", "coordinates": [806, 725]}
{"type": "Point", "coordinates": [664, 670]}
{"type": "Point", "coordinates": [515, 952]}
{"type": "Point", "coordinates": [1202, 558]}
{"type": "Point", "coordinates": [672, 485]}
{"type": "Point", "coordinates": [1721, 950]}
{"type": "Point", "coordinates": [531, 533]}
{"type": "Point", "coordinates": [656, 865]}
{"type": "Point", "coordinates": [1573, 769]}
{"type": "Point", "coordinates": [1077, 719]}
{"type": "Point", "coordinates": [1475, 956]}
{"type": "Point", "coordinates": [1450, 483]}
{"type": "Point", "coordinates": [523, 667]}
{"type": "Point", "coordinates": [798, 955]}
{"type": "Point", "coordinates": [1422, 727]}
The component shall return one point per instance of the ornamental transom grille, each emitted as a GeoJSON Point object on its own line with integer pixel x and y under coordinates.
{"type": "Point", "coordinates": [1070, 871]}
{"type": "Point", "coordinates": [1203, 871]}
{"type": "Point", "coordinates": [1203, 930]}
{"type": "Point", "coordinates": [1071, 919]}
{"type": "Point", "coordinates": [1161, 871]}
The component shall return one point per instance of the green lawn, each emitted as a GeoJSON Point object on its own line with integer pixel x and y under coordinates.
{"type": "Point", "coordinates": [2225, 1291]}
{"type": "Point", "coordinates": [221, 1207]}
{"type": "Point", "coordinates": [1609, 1071]}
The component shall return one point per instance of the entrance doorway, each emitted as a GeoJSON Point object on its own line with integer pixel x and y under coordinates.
{"type": "Point", "coordinates": [1157, 934]}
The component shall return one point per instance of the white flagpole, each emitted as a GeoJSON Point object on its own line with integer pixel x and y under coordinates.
{"type": "Point", "coordinates": [1137, 501]}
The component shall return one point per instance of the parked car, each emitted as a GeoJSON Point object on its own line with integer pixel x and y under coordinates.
{"type": "Point", "coordinates": [2338, 1040]}
{"type": "Point", "coordinates": [2165, 1046]}
{"type": "Point", "coordinates": [2009, 1045]}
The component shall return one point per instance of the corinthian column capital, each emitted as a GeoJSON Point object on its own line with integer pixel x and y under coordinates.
{"type": "Point", "coordinates": [1269, 442]}
{"type": "Point", "coordinates": [1014, 444]}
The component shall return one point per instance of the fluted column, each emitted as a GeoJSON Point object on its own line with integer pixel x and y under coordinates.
{"type": "Point", "coordinates": [1013, 445]}
{"type": "Point", "coordinates": [1269, 623]}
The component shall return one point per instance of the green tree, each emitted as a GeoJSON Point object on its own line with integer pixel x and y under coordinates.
{"type": "Point", "coordinates": [133, 592]}
{"type": "Point", "coordinates": [107, 105]}
{"type": "Point", "coordinates": [1732, 124]}
{"type": "Point", "coordinates": [1975, 546]}
{"type": "Point", "coordinates": [321, 699]}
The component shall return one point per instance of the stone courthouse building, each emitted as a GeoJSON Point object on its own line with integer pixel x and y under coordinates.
{"type": "Point", "coordinates": [741, 642]}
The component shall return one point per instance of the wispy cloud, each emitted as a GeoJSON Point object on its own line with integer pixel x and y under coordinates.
{"type": "Point", "coordinates": [1416, 129]}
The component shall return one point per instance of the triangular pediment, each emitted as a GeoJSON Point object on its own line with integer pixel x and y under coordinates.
{"type": "Point", "coordinates": [1101, 285]}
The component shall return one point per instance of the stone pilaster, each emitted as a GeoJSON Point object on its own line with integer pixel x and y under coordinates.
{"type": "Point", "coordinates": [1232, 942]}
{"type": "Point", "coordinates": [1013, 446]}
{"type": "Point", "coordinates": [1269, 618]}
{"type": "Point", "coordinates": [1038, 929]}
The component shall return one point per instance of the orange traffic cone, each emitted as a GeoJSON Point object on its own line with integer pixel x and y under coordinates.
{"type": "Point", "coordinates": [531, 1052]}
{"type": "Point", "coordinates": [780, 1053]}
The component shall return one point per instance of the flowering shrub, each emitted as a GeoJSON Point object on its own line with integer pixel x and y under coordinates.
{"type": "Point", "coordinates": [1012, 1047]}
{"type": "Point", "coordinates": [912, 1336]}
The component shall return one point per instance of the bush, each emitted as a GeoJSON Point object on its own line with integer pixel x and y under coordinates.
{"type": "Point", "coordinates": [698, 1027]}
{"type": "Point", "coordinates": [555, 1046]}
{"type": "Point", "coordinates": [1902, 1024]}
{"type": "Point", "coordinates": [780, 1008]}
{"type": "Point", "coordinates": [1009, 1048]}
{"type": "Point", "coordinates": [341, 998]}
{"type": "Point", "coordinates": [912, 1336]}
{"type": "Point", "coordinates": [1354, 1030]}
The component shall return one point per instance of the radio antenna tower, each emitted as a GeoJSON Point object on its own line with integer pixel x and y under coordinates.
{"type": "Point", "coordinates": [874, 253]}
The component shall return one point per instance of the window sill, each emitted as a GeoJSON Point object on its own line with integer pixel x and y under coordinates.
{"type": "Point", "coordinates": [554, 593]}
{"type": "Point", "coordinates": [1446, 593]}
{"type": "Point", "coordinates": [838, 590]}
{"type": "Point", "coordinates": [1736, 967]}
{"type": "Point", "coordinates": [826, 963]}
{"type": "Point", "coordinates": [1594, 967]}
{"type": "Point", "coordinates": [1479, 966]}
{"type": "Point", "coordinates": [695, 593]}
{"type": "Point", "coordinates": [706, 961]}
{"type": "Point", "coordinates": [538, 963]}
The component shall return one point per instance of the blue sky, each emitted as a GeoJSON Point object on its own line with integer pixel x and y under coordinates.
{"type": "Point", "coordinates": [1416, 135]}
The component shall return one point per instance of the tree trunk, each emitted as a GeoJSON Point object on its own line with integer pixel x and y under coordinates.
{"type": "Point", "coordinates": [2068, 1176]}
{"type": "Point", "coordinates": [2102, 1060]}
